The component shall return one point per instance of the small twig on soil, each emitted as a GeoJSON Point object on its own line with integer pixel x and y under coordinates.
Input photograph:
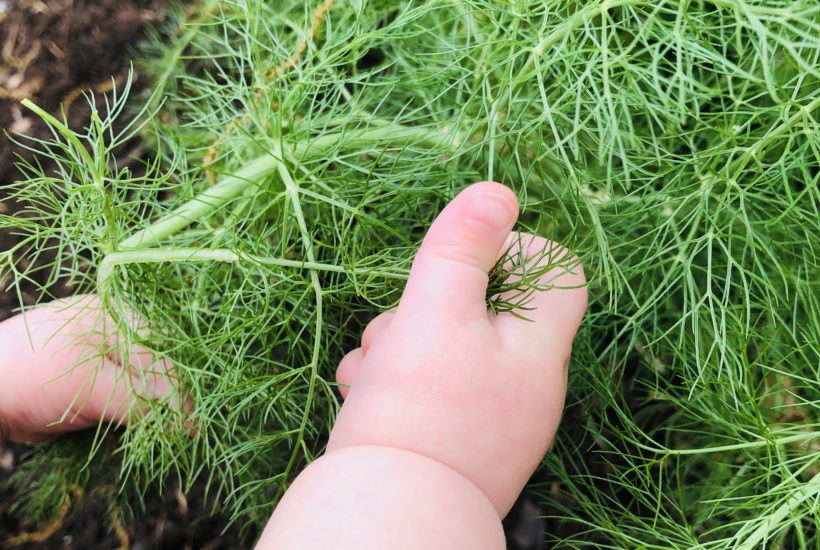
{"type": "Point", "coordinates": [20, 63]}
{"type": "Point", "coordinates": [46, 532]}
{"type": "Point", "coordinates": [119, 530]}
{"type": "Point", "coordinates": [101, 88]}
{"type": "Point", "coordinates": [27, 89]}
{"type": "Point", "coordinates": [116, 523]}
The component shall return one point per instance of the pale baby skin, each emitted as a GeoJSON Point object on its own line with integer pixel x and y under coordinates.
{"type": "Point", "coordinates": [448, 408]}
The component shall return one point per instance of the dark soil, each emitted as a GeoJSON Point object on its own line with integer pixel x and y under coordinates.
{"type": "Point", "coordinates": [51, 52]}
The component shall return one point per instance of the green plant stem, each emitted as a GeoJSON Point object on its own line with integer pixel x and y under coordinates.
{"type": "Point", "coordinates": [576, 20]}
{"type": "Point", "coordinates": [178, 255]}
{"type": "Point", "coordinates": [774, 521]}
{"type": "Point", "coordinates": [92, 166]}
{"type": "Point", "coordinates": [66, 133]}
{"type": "Point", "coordinates": [259, 168]}
{"type": "Point", "coordinates": [293, 193]}
{"type": "Point", "coordinates": [753, 152]}
{"type": "Point", "coordinates": [395, 134]}
{"type": "Point", "coordinates": [203, 204]}
{"type": "Point", "coordinates": [722, 448]}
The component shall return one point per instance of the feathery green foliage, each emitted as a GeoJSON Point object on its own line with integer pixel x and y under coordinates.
{"type": "Point", "coordinates": [673, 145]}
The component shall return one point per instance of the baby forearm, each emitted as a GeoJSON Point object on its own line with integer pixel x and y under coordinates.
{"type": "Point", "coordinates": [373, 497]}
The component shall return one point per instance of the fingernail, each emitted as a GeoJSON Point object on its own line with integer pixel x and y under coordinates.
{"type": "Point", "coordinates": [490, 209]}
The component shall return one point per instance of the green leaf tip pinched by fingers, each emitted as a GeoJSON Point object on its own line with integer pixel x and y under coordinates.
{"type": "Point", "coordinates": [520, 272]}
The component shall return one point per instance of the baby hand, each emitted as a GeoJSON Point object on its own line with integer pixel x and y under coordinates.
{"type": "Point", "coordinates": [57, 377]}
{"type": "Point", "coordinates": [444, 378]}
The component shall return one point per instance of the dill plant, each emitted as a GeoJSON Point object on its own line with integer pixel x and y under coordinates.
{"type": "Point", "coordinates": [301, 151]}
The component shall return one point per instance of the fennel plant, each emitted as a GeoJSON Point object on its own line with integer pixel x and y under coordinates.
{"type": "Point", "coordinates": [300, 151]}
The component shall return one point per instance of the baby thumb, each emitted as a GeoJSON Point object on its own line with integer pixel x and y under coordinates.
{"type": "Point", "coordinates": [449, 274]}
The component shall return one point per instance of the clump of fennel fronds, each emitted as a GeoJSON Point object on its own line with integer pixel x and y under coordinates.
{"type": "Point", "coordinates": [672, 145]}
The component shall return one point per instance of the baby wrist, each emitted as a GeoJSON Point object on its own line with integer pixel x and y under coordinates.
{"type": "Point", "coordinates": [410, 454]}
{"type": "Point", "coordinates": [372, 497]}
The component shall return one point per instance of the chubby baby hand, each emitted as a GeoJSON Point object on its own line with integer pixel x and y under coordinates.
{"type": "Point", "coordinates": [59, 371]}
{"type": "Point", "coordinates": [443, 377]}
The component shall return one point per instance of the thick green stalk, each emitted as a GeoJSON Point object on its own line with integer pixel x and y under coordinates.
{"type": "Point", "coordinates": [261, 167]}
{"type": "Point", "coordinates": [203, 204]}
{"type": "Point", "coordinates": [178, 255]}
{"type": "Point", "coordinates": [391, 133]}
{"type": "Point", "coordinates": [760, 535]}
